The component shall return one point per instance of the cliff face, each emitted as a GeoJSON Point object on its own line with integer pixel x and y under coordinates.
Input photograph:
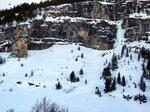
{"type": "Point", "coordinates": [83, 22]}
{"type": "Point", "coordinates": [84, 9]}
{"type": "Point", "coordinates": [137, 28]}
{"type": "Point", "coordinates": [83, 31]}
{"type": "Point", "coordinates": [19, 47]}
{"type": "Point", "coordinates": [92, 23]}
{"type": "Point", "coordinates": [21, 31]}
{"type": "Point", "coordinates": [88, 23]}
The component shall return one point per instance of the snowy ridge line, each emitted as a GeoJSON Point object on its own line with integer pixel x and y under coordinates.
{"type": "Point", "coordinates": [73, 19]}
{"type": "Point", "coordinates": [139, 15]}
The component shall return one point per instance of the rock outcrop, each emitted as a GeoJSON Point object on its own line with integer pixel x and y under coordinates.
{"type": "Point", "coordinates": [19, 47]}
{"type": "Point", "coordinates": [21, 31]}
{"type": "Point", "coordinates": [89, 32]}
{"type": "Point", "coordinates": [137, 27]}
{"type": "Point", "coordinates": [90, 23]}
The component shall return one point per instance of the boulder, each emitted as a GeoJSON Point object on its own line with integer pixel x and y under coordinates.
{"type": "Point", "coordinates": [19, 48]}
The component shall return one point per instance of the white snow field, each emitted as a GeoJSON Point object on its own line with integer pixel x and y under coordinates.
{"type": "Point", "coordinates": [58, 62]}
{"type": "Point", "coordinates": [48, 66]}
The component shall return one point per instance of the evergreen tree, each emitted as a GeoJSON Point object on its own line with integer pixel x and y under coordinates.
{"type": "Point", "coordinates": [106, 73]}
{"type": "Point", "coordinates": [130, 56]}
{"type": "Point", "coordinates": [81, 71]}
{"type": "Point", "coordinates": [119, 57]}
{"type": "Point", "coordinates": [107, 85]}
{"type": "Point", "coordinates": [72, 76]}
{"type": "Point", "coordinates": [26, 75]}
{"type": "Point", "coordinates": [119, 78]}
{"type": "Point", "coordinates": [2, 60]}
{"type": "Point", "coordinates": [127, 52]}
{"type": "Point", "coordinates": [123, 81]}
{"type": "Point", "coordinates": [79, 48]}
{"type": "Point", "coordinates": [58, 86]}
{"type": "Point", "coordinates": [113, 86]}
{"type": "Point", "coordinates": [76, 59]}
{"type": "Point", "coordinates": [139, 56]}
{"type": "Point", "coordinates": [148, 65]}
{"type": "Point", "coordinates": [32, 72]}
{"type": "Point", "coordinates": [114, 64]}
{"type": "Point", "coordinates": [85, 81]}
{"type": "Point", "coordinates": [142, 84]}
{"type": "Point", "coordinates": [3, 74]}
{"type": "Point", "coordinates": [82, 56]}
{"type": "Point", "coordinates": [144, 73]}
{"type": "Point", "coordinates": [122, 51]}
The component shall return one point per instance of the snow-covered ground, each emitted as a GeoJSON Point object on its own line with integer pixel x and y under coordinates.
{"type": "Point", "coordinates": [7, 4]}
{"type": "Point", "coordinates": [48, 66]}
{"type": "Point", "coordinates": [58, 62]}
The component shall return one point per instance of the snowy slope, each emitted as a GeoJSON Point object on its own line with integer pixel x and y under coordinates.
{"type": "Point", "coordinates": [7, 4]}
{"type": "Point", "coordinates": [56, 63]}
{"type": "Point", "coordinates": [48, 66]}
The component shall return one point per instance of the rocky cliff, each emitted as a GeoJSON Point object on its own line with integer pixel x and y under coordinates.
{"type": "Point", "coordinates": [19, 47]}
{"type": "Point", "coordinates": [137, 26]}
{"type": "Point", "coordinates": [88, 23]}
{"type": "Point", "coordinates": [91, 23]}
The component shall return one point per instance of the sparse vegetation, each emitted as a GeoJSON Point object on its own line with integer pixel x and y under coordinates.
{"type": "Point", "coordinates": [46, 106]}
{"type": "Point", "coordinates": [2, 60]}
{"type": "Point", "coordinates": [73, 77]}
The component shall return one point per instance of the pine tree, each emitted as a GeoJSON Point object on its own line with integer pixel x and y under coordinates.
{"type": "Point", "coordinates": [107, 85]}
{"type": "Point", "coordinates": [127, 52]}
{"type": "Point", "coordinates": [122, 51]}
{"type": "Point", "coordinates": [82, 56]}
{"type": "Point", "coordinates": [113, 86]}
{"type": "Point", "coordinates": [119, 78]}
{"type": "Point", "coordinates": [148, 65]}
{"type": "Point", "coordinates": [123, 81]}
{"type": "Point", "coordinates": [106, 73]}
{"type": "Point", "coordinates": [72, 77]}
{"type": "Point", "coordinates": [119, 57]}
{"type": "Point", "coordinates": [114, 62]}
{"type": "Point", "coordinates": [81, 71]}
{"type": "Point", "coordinates": [130, 56]}
{"type": "Point", "coordinates": [144, 87]}
{"type": "Point", "coordinates": [58, 86]}
{"type": "Point", "coordinates": [3, 74]}
{"type": "Point", "coordinates": [26, 75]}
{"type": "Point", "coordinates": [76, 59]}
{"type": "Point", "coordinates": [79, 48]}
{"type": "Point", "coordinates": [2, 60]}
{"type": "Point", "coordinates": [139, 56]}
{"type": "Point", "coordinates": [142, 84]}
{"type": "Point", "coordinates": [32, 72]}
{"type": "Point", "coordinates": [85, 81]}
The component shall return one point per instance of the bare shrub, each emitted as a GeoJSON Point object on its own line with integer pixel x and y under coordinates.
{"type": "Point", "coordinates": [45, 106]}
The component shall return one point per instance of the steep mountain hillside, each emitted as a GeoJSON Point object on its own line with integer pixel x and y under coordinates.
{"type": "Point", "coordinates": [91, 56]}
{"type": "Point", "coordinates": [46, 68]}
{"type": "Point", "coordinates": [58, 62]}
